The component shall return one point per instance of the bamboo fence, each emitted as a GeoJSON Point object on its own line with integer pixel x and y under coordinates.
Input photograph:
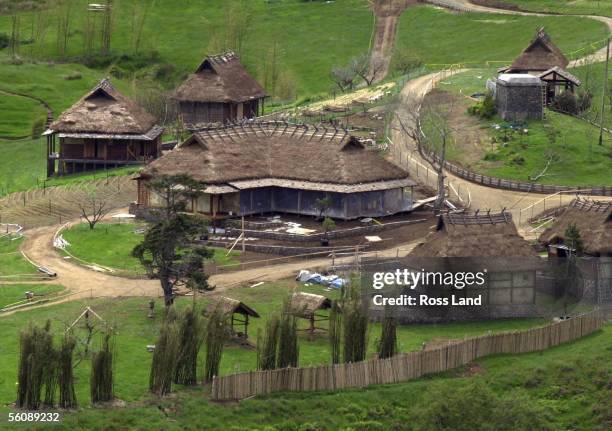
{"type": "Point", "coordinates": [405, 366]}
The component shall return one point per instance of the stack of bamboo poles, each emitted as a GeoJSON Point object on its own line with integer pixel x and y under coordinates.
{"type": "Point", "coordinates": [406, 366]}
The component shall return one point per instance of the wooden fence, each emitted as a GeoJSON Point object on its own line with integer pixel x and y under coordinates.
{"type": "Point", "coordinates": [405, 366]}
{"type": "Point", "coordinates": [520, 186]}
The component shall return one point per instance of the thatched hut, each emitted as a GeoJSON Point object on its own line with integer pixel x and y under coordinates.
{"type": "Point", "coordinates": [306, 306]}
{"type": "Point", "coordinates": [594, 222]}
{"type": "Point", "coordinates": [237, 312]}
{"type": "Point", "coordinates": [259, 168]}
{"type": "Point", "coordinates": [103, 130]}
{"type": "Point", "coordinates": [484, 243]}
{"type": "Point", "coordinates": [220, 90]}
{"type": "Point", "coordinates": [544, 60]}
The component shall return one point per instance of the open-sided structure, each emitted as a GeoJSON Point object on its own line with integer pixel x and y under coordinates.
{"type": "Point", "coordinates": [257, 168]}
{"type": "Point", "coordinates": [306, 306]}
{"type": "Point", "coordinates": [103, 130]}
{"type": "Point", "coordinates": [593, 219]}
{"type": "Point", "coordinates": [220, 90]}
{"type": "Point", "coordinates": [236, 312]}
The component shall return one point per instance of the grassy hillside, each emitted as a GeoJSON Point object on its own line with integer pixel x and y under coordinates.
{"type": "Point", "coordinates": [590, 7]}
{"type": "Point", "coordinates": [565, 388]}
{"type": "Point", "coordinates": [441, 36]}
{"type": "Point", "coordinates": [577, 159]}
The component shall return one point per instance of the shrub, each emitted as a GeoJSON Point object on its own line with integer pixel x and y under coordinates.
{"type": "Point", "coordinates": [4, 40]}
{"type": "Point", "coordinates": [74, 76]}
{"type": "Point", "coordinates": [567, 102]}
{"type": "Point", "coordinates": [38, 127]}
{"type": "Point", "coordinates": [584, 100]}
{"type": "Point", "coordinates": [485, 108]}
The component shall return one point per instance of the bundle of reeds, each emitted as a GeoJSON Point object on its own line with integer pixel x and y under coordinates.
{"type": "Point", "coordinates": [355, 326]}
{"type": "Point", "coordinates": [335, 333]}
{"type": "Point", "coordinates": [267, 344]}
{"type": "Point", "coordinates": [37, 367]}
{"type": "Point", "coordinates": [288, 348]}
{"type": "Point", "coordinates": [387, 345]}
{"type": "Point", "coordinates": [165, 355]}
{"type": "Point", "coordinates": [217, 333]}
{"type": "Point", "coordinates": [67, 395]}
{"type": "Point", "coordinates": [101, 382]}
{"type": "Point", "coordinates": [190, 335]}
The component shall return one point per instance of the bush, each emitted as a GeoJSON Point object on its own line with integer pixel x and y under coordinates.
{"type": "Point", "coordinates": [475, 407]}
{"type": "Point", "coordinates": [585, 99]}
{"type": "Point", "coordinates": [74, 76]}
{"type": "Point", "coordinates": [4, 40]}
{"type": "Point", "coordinates": [484, 109]}
{"type": "Point", "coordinates": [567, 102]}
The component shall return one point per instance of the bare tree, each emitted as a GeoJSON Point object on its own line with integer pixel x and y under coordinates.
{"type": "Point", "coordinates": [370, 68]}
{"type": "Point", "coordinates": [344, 77]}
{"type": "Point", "coordinates": [93, 208]}
{"type": "Point", "coordinates": [429, 127]}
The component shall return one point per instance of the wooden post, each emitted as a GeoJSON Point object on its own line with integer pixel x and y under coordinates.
{"type": "Point", "coordinates": [603, 97]}
{"type": "Point", "coordinates": [243, 244]}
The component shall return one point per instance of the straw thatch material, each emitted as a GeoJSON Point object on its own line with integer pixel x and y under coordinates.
{"type": "Point", "coordinates": [228, 306]}
{"type": "Point", "coordinates": [546, 75]}
{"type": "Point", "coordinates": [406, 366]}
{"type": "Point", "coordinates": [104, 110]}
{"type": "Point", "coordinates": [594, 222]}
{"type": "Point", "coordinates": [475, 235]}
{"type": "Point", "coordinates": [541, 54]}
{"type": "Point", "coordinates": [220, 78]}
{"type": "Point", "coordinates": [306, 304]}
{"type": "Point", "coordinates": [265, 152]}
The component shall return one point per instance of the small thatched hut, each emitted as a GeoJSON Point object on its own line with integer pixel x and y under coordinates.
{"type": "Point", "coordinates": [594, 222]}
{"type": "Point", "coordinates": [306, 306]}
{"type": "Point", "coordinates": [220, 90]}
{"type": "Point", "coordinates": [259, 168]}
{"type": "Point", "coordinates": [104, 129]}
{"type": "Point", "coordinates": [543, 59]}
{"type": "Point", "coordinates": [540, 55]}
{"type": "Point", "coordinates": [230, 308]}
{"type": "Point", "coordinates": [484, 243]}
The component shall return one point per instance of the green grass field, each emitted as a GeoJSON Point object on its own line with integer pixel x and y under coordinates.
{"type": "Point", "coordinates": [588, 7]}
{"type": "Point", "coordinates": [18, 115]}
{"type": "Point", "coordinates": [111, 245]}
{"type": "Point", "coordinates": [11, 261]}
{"type": "Point", "coordinates": [13, 293]}
{"type": "Point", "coordinates": [567, 380]}
{"type": "Point", "coordinates": [441, 37]}
{"type": "Point", "coordinates": [578, 159]}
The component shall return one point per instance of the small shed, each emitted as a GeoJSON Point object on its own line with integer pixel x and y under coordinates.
{"type": "Point", "coordinates": [594, 222]}
{"type": "Point", "coordinates": [306, 306]}
{"type": "Point", "coordinates": [236, 311]}
{"type": "Point", "coordinates": [520, 96]}
{"type": "Point", "coordinates": [557, 80]}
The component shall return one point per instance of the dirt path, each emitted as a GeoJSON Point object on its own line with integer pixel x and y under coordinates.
{"type": "Point", "coordinates": [82, 283]}
{"type": "Point", "coordinates": [386, 14]}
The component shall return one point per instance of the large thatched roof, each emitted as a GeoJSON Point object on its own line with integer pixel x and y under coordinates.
{"type": "Point", "coordinates": [541, 54]}
{"type": "Point", "coordinates": [255, 155]}
{"type": "Point", "coordinates": [220, 78]}
{"type": "Point", "coordinates": [474, 235]}
{"type": "Point", "coordinates": [594, 222]}
{"type": "Point", "coordinates": [105, 111]}
{"type": "Point", "coordinates": [306, 304]}
{"type": "Point", "coordinates": [229, 306]}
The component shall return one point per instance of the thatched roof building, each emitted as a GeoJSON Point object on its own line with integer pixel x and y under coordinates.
{"type": "Point", "coordinates": [220, 90]}
{"type": "Point", "coordinates": [102, 128]}
{"type": "Point", "coordinates": [229, 307]}
{"type": "Point", "coordinates": [594, 222]}
{"type": "Point", "coordinates": [475, 235]}
{"type": "Point", "coordinates": [307, 304]}
{"type": "Point", "coordinates": [276, 167]}
{"type": "Point", "coordinates": [541, 55]}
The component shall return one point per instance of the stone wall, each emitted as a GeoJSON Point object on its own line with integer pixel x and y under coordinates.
{"type": "Point", "coordinates": [522, 102]}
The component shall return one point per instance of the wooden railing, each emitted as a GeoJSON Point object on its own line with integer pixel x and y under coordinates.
{"type": "Point", "coordinates": [405, 366]}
